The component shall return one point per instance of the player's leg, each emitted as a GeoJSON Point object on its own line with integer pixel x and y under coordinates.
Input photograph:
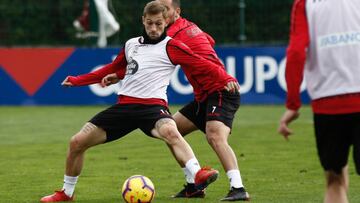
{"type": "Point", "coordinates": [356, 142]}
{"type": "Point", "coordinates": [185, 126]}
{"type": "Point", "coordinates": [166, 129]}
{"type": "Point", "coordinates": [336, 186]}
{"type": "Point", "coordinates": [106, 126]}
{"type": "Point", "coordinates": [217, 134]}
{"type": "Point", "coordinates": [333, 141]}
{"type": "Point", "coordinates": [220, 110]}
{"type": "Point", "coordinates": [89, 135]}
{"type": "Point", "coordinates": [185, 118]}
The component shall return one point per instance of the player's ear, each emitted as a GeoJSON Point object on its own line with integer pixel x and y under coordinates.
{"type": "Point", "coordinates": [167, 21]}
{"type": "Point", "coordinates": [143, 20]}
{"type": "Point", "coordinates": [178, 11]}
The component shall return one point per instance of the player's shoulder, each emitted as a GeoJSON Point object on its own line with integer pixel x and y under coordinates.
{"type": "Point", "coordinates": [133, 40]}
{"type": "Point", "coordinates": [177, 43]}
{"type": "Point", "coordinates": [179, 25]}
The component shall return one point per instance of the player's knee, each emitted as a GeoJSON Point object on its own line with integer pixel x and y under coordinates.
{"type": "Point", "coordinates": [215, 140]}
{"type": "Point", "coordinates": [169, 133]}
{"type": "Point", "coordinates": [214, 137]}
{"type": "Point", "coordinates": [76, 145]}
{"type": "Point", "coordinates": [334, 178]}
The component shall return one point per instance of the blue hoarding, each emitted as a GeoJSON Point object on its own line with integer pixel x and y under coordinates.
{"type": "Point", "coordinates": [32, 76]}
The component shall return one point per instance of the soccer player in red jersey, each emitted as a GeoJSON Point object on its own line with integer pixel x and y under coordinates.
{"type": "Point", "coordinates": [145, 66]}
{"type": "Point", "coordinates": [324, 48]}
{"type": "Point", "coordinates": [205, 112]}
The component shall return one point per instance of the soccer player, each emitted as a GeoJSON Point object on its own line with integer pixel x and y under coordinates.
{"type": "Point", "coordinates": [145, 65]}
{"type": "Point", "coordinates": [205, 112]}
{"type": "Point", "coordinates": [325, 47]}
{"type": "Point", "coordinates": [213, 109]}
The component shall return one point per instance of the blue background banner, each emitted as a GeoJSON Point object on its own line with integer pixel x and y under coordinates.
{"type": "Point", "coordinates": [259, 70]}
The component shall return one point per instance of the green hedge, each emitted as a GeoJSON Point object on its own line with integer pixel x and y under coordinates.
{"type": "Point", "coordinates": [49, 22]}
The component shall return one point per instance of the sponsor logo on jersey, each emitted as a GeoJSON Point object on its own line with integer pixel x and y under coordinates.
{"type": "Point", "coordinates": [132, 67]}
{"type": "Point", "coordinates": [339, 39]}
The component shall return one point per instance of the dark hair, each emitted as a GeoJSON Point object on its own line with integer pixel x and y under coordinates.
{"type": "Point", "coordinates": [155, 7]}
{"type": "Point", "coordinates": [176, 3]}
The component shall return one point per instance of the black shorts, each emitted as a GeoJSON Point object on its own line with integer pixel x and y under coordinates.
{"type": "Point", "coordinates": [220, 106]}
{"type": "Point", "coordinates": [121, 119]}
{"type": "Point", "coordinates": [335, 134]}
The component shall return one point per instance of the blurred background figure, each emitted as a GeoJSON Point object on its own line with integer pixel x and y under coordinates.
{"type": "Point", "coordinates": [96, 20]}
{"type": "Point", "coordinates": [325, 52]}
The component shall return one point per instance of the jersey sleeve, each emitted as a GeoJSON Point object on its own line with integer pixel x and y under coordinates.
{"type": "Point", "coordinates": [118, 66]}
{"type": "Point", "coordinates": [296, 54]}
{"type": "Point", "coordinates": [181, 54]}
{"type": "Point", "coordinates": [211, 40]}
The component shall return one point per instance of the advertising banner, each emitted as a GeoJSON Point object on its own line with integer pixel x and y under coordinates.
{"type": "Point", "coordinates": [32, 76]}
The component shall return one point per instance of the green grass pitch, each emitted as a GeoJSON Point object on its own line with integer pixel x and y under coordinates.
{"type": "Point", "coordinates": [33, 144]}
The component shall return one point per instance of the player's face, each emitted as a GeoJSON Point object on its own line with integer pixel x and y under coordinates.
{"type": "Point", "coordinates": [154, 25]}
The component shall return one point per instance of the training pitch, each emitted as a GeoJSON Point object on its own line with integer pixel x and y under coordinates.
{"type": "Point", "coordinates": [33, 145]}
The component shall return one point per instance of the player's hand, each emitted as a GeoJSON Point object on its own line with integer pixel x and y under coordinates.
{"type": "Point", "coordinates": [232, 87]}
{"type": "Point", "coordinates": [286, 119]}
{"type": "Point", "coordinates": [66, 82]}
{"type": "Point", "coordinates": [109, 80]}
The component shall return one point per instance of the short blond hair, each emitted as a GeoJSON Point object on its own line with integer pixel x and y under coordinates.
{"type": "Point", "coordinates": [155, 7]}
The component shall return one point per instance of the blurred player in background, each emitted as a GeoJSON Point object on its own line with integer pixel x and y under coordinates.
{"type": "Point", "coordinates": [145, 64]}
{"type": "Point", "coordinates": [213, 109]}
{"type": "Point", "coordinates": [325, 47]}
{"type": "Point", "coordinates": [104, 26]}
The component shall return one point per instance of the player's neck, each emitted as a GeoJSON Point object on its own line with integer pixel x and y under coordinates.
{"type": "Point", "coordinates": [147, 40]}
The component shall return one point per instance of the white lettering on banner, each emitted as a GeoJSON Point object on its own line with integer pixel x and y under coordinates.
{"type": "Point", "coordinates": [266, 69]}
{"type": "Point", "coordinates": [103, 91]}
{"type": "Point", "coordinates": [231, 66]}
{"type": "Point", "coordinates": [248, 75]}
{"type": "Point", "coordinates": [261, 75]}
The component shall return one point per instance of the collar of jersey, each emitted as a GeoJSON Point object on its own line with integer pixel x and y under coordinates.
{"type": "Point", "coordinates": [146, 40]}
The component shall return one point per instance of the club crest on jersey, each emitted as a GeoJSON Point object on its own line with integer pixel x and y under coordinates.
{"type": "Point", "coordinates": [132, 67]}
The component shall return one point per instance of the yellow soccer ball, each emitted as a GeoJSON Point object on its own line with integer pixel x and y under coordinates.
{"type": "Point", "coordinates": [138, 189]}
